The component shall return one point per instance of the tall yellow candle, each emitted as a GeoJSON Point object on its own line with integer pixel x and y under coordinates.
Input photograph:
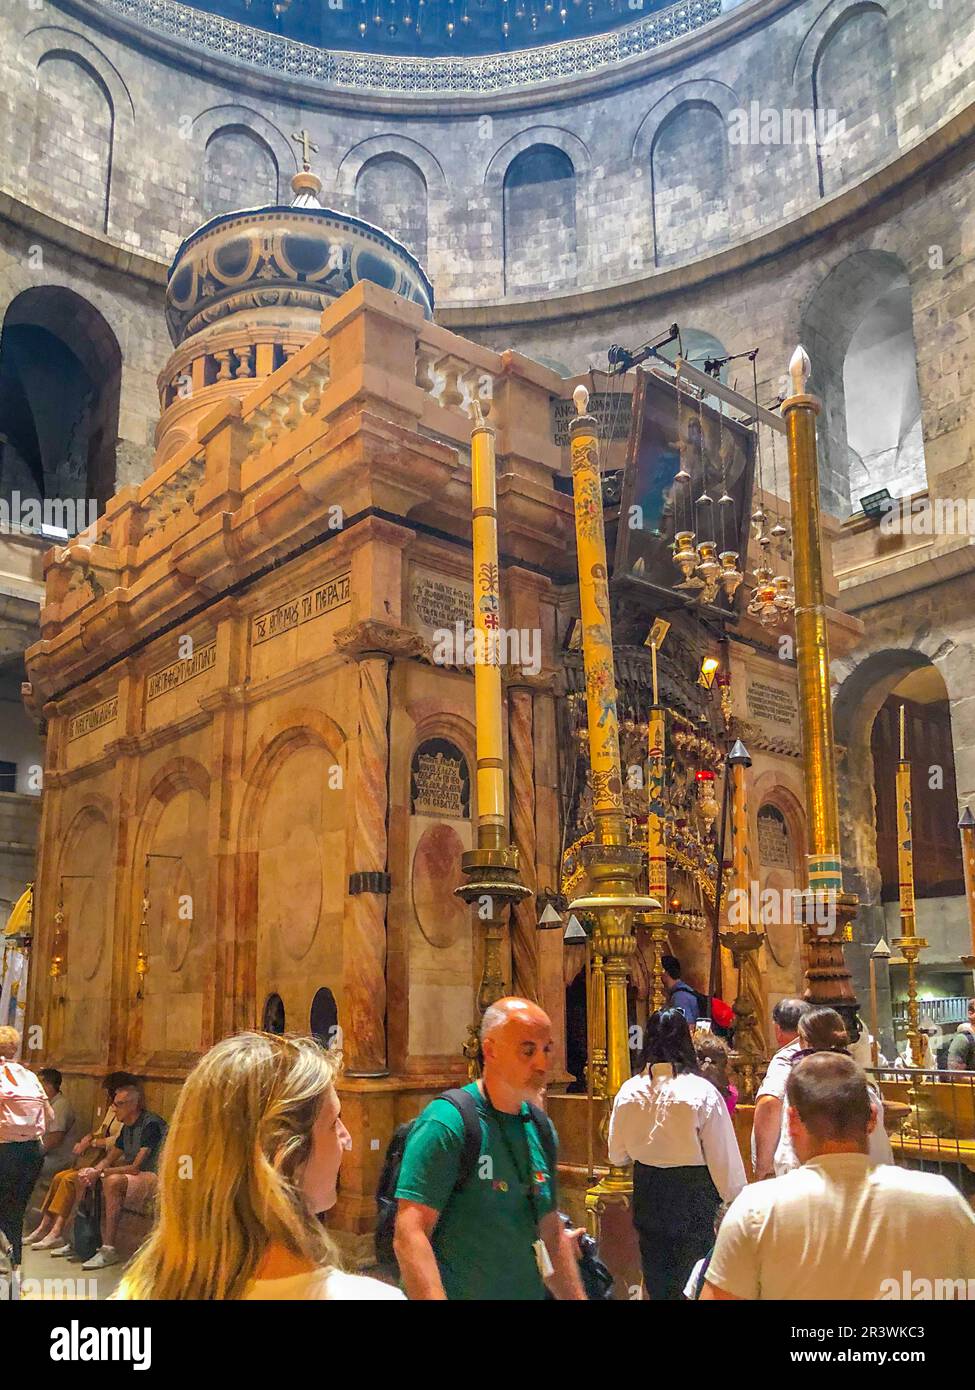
{"type": "Point", "coordinates": [905, 848]}
{"type": "Point", "coordinates": [597, 637]}
{"type": "Point", "coordinates": [656, 809]}
{"type": "Point", "coordinates": [491, 816]}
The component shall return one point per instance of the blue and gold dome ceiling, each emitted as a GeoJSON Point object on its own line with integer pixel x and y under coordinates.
{"type": "Point", "coordinates": [433, 28]}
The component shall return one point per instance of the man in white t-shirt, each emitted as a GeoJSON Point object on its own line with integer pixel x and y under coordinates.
{"type": "Point", "coordinates": [841, 1226]}
{"type": "Point", "coordinates": [769, 1100]}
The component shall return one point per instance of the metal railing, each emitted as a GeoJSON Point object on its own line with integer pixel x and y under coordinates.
{"type": "Point", "coordinates": [953, 1009]}
{"type": "Point", "coordinates": [930, 1118]}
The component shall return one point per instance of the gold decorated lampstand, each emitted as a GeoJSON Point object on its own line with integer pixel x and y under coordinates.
{"type": "Point", "coordinates": [492, 867]}
{"type": "Point", "coordinates": [656, 835]}
{"type": "Point", "coordinates": [908, 943]}
{"type": "Point", "coordinates": [746, 942]}
{"type": "Point", "coordinates": [830, 911]}
{"type": "Point", "coordinates": [612, 863]}
{"type": "Point", "coordinates": [966, 828]}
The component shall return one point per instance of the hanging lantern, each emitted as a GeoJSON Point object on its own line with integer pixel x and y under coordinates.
{"type": "Point", "coordinates": [685, 557]}
{"type": "Point", "coordinates": [731, 575]}
{"type": "Point", "coordinates": [707, 805]}
{"type": "Point", "coordinates": [708, 569]}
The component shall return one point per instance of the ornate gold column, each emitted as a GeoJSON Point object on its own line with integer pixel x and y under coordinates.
{"type": "Point", "coordinates": [524, 933]}
{"type": "Point", "coordinates": [656, 840]}
{"type": "Point", "coordinates": [373, 646]}
{"type": "Point", "coordinates": [966, 828]}
{"type": "Point", "coordinates": [745, 942]}
{"type": "Point", "coordinates": [492, 867]}
{"type": "Point", "coordinates": [908, 943]}
{"type": "Point", "coordinates": [612, 862]}
{"type": "Point", "coordinates": [828, 979]}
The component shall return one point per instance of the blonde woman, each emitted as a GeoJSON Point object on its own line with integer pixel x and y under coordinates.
{"type": "Point", "coordinates": [252, 1157]}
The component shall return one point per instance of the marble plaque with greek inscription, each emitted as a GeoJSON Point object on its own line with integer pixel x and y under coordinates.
{"type": "Point", "coordinates": [179, 672]}
{"type": "Point", "coordinates": [291, 613]}
{"type": "Point", "coordinates": [612, 410]}
{"type": "Point", "coordinates": [440, 603]}
{"type": "Point", "coordinates": [440, 781]}
{"type": "Point", "coordinates": [772, 703]}
{"type": "Point", "coordinates": [773, 841]}
{"type": "Point", "coordinates": [91, 719]}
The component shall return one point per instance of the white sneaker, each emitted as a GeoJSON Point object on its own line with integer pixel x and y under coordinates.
{"type": "Point", "coordinates": [47, 1242]}
{"type": "Point", "coordinates": [62, 1250]}
{"type": "Point", "coordinates": [104, 1256]}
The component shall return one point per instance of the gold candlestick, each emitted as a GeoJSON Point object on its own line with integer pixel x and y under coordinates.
{"type": "Point", "coordinates": [612, 862]}
{"type": "Point", "coordinates": [827, 976]}
{"type": "Point", "coordinates": [492, 867]}
{"type": "Point", "coordinates": [750, 1004]}
{"type": "Point", "coordinates": [908, 943]}
{"type": "Point", "coordinates": [966, 828]}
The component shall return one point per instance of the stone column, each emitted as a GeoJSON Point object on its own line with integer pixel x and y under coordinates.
{"type": "Point", "coordinates": [373, 646]}
{"type": "Point", "coordinates": [521, 760]}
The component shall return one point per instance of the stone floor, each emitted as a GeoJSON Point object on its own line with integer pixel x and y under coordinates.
{"type": "Point", "coordinates": [43, 1277]}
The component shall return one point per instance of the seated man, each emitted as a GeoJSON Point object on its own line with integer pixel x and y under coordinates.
{"type": "Point", "coordinates": [841, 1226]}
{"type": "Point", "coordinates": [127, 1172]}
{"type": "Point", "coordinates": [57, 1207]}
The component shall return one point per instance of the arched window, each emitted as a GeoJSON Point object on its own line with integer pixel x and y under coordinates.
{"type": "Point", "coordinates": [272, 1020]}
{"type": "Point", "coordinates": [323, 1022]}
{"type": "Point", "coordinates": [938, 871]}
{"type": "Point", "coordinates": [689, 164]}
{"type": "Point", "coordinates": [856, 128]}
{"type": "Point", "coordinates": [539, 220]}
{"type": "Point", "coordinates": [858, 329]}
{"type": "Point", "coordinates": [70, 176]}
{"type": "Point", "coordinates": [60, 370]}
{"type": "Point", "coordinates": [239, 171]}
{"type": "Point", "coordinates": [391, 193]}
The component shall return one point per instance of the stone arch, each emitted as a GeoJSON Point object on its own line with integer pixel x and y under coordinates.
{"type": "Point", "coordinates": [537, 185]}
{"type": "Point", "coordinates": [60, 381]}
{"type": "Point", "coordinates": [239, 170]}
{"type": "Point", "coordinates": [69, 183]}
{"type": "Point", "coordinates": [845, 56]}
{"type": "Point", "coordinates": [571, 146]}
{"type": "Point", "coordinates": [293, 729]}
{"type": "Point", "coordinates": [391, 193]}
{"type": "Point", "coordinates": [303, 831]}
{"type": "Point", "coordinates": [86, 844]}
{"type": "Point", "coordinates": [690, 194]}
{"type": "Point", "coordinates": [705, 89]}
{"type": "Point", "coordinates": [45, 43]}
{"type": "Point", "coordinates": [412, 151]}
{"type": "Point", "coordinates": [216, 118]}
{"type": "Point", "coordinates": [539, 221]}
{"type": "Point", "coordinates": [857, 326]}
{"type": "Point", "coordinates": [169, 891]}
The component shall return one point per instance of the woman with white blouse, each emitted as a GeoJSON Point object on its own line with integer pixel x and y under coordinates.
{"type": "Point", "coordinates": [674, 1127]}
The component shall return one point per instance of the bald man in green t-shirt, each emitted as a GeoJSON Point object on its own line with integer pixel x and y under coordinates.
{"type": "Point", "coordinates": [500, 1236]}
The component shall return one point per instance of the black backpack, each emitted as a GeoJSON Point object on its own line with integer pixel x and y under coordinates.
{"type": "Point", "coordinates": [463, 1101]}
{"type": "Point", "coordinates": [86, 1234]}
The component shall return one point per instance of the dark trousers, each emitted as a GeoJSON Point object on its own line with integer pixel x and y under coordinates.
{"type": "Point", "coordinates": [20, 1167]}
{"type": "Point", "coordinates": [673, 1211]}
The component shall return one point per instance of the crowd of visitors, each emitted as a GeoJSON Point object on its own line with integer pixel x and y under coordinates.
{"type": "Point", "coordinates": [242, 1184]}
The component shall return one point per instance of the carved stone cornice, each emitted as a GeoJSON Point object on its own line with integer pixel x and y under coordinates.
{"type": "Point", "coordinates": [755, 736]}
{"type": "Point", "coordinates": [371, 637]}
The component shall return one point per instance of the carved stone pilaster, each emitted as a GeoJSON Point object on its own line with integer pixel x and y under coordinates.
{"type": "Point", "coordinates": [372, 645]}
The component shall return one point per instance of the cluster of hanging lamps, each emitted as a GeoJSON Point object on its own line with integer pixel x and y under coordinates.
{"type": "Point", "coordinates": [773, 598]}
{"type": "Point", "coordinates": [705, 570]}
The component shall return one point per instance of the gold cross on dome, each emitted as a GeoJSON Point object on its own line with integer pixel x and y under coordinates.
{"type": "Point", "coordinates": [302, 138]}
